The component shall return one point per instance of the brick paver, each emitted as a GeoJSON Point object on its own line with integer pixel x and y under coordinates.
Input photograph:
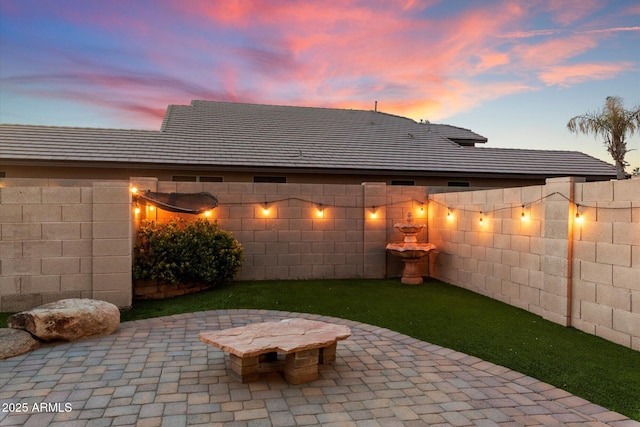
{"type": "Point", "coordinates": [157, 372]}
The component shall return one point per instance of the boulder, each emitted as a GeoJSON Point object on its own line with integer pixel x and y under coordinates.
{"type": "Point", "coordinates": [68, 319]}
{"type": "Point", "coordinates": [14, 342]}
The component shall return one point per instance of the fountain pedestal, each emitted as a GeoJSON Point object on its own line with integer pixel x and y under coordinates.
{"type": "Point", "coordinates": [410, 251]}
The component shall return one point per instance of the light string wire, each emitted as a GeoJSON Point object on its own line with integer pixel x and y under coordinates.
{"type": "Point", "coordinates": [525, 205]}
{"type": "Point", "coordinates": [323, 204]}
{"type": "Point", "coordinates": [427, 202]}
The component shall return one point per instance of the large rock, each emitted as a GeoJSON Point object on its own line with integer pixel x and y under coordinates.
{"type": "Point", "coordinates": [68, 319]}
{"type": "Point", "coordinates": [14, 342]}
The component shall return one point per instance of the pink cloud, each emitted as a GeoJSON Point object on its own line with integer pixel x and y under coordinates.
{"type": "Point", "coordinates": [340, 54]}
{"type": "Point", "coordinates": [567, 12]}
{"type": "Point", "coordinates": [553, 51]}
{"type": "Point", "coordinates": [568, 75]}
{"type": "Point", "coordinates": [419, 67]}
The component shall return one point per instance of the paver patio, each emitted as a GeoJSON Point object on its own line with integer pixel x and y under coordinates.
{"type": "Point", "coordinates": [156, 372]}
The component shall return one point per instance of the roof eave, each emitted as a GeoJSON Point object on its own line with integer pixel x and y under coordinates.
{"type": "Point", "coordinates": [302, 170]}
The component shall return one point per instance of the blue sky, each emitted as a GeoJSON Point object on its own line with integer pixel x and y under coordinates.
{"type": "Point", "coordinates": [513, 71]}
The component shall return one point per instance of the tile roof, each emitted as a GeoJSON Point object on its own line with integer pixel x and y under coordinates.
{"type": "Point", "coordinates": [209, 133]}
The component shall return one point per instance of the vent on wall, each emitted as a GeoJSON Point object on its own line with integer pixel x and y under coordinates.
{"type": "Point", "coordinates": [277, 179]}
{"type": "Point", "coordinates": [403, 182]}
{"type": "Point", "coordinates": [193, 178]}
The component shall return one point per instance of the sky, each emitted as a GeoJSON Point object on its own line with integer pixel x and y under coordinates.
{"type": "Point", "coordinates": [512, 71]}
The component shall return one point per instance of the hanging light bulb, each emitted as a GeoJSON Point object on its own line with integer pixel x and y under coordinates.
{"type": "Point", "coordinates": [320, 211]}
{"type": "Point", "coordinates": [523, 216]}
{"type": "Point", "coordinates": [481, 219]}
{"type": "Point", "coordinates": [449, 214]}
{"type": "Point", "coordinates": [579, 219]}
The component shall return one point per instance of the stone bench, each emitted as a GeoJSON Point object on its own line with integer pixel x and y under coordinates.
{"type": "Point", "coordinates": [306, 343]}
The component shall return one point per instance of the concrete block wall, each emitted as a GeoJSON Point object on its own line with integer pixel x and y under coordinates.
{"type": "Point", "coordinates": [576, 274]}
{"type": "Point", "coordinates": [67, 238]}
{"type": "Point", "coordinates": [303, 231]}
{"type": "Point", "coordinates": [501, 257]}
{"type": "Point", "coordinates": [63, 239]}
{"type": "Point", "coordinates": [606, 269]}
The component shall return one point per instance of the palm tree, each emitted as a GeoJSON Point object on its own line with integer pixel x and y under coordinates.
{"type": "Point", "coordinates": [613, 123]}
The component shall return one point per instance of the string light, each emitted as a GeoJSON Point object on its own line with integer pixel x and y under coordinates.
{"type": "Point", "coordinates": [373, 212]}
{"type": "Point", "coordinates": [579, 219]}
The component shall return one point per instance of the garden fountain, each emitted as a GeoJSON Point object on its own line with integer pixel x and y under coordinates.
{"type": "Point", "coordinates": [410, 251]}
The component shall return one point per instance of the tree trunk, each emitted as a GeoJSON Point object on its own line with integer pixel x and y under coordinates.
{"type": "Point", "coordinates": [620, 171]}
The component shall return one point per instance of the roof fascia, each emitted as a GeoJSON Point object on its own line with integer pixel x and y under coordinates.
{"type": "Point", "coordinates": [304, 171]}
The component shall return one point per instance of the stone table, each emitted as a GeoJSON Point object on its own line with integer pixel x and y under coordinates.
{"type": "Point", "coordinates": [306, 343]}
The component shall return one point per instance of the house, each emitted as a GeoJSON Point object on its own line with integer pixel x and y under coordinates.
{"type": "Point", "coordinates": [210, 141]}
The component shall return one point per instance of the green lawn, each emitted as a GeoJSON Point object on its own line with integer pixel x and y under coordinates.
{"type": "Point", "coordinates": [587, 366]}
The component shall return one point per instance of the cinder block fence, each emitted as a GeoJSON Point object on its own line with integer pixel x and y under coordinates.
{"type": "Point", "coordinates": [68, 238]}
{"type": "Point", "coordinates": [64, 239]}
{"type": "Point", "coordinates": [568, 251]}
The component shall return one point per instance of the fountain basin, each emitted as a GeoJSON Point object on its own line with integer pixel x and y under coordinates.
{"type": "Point", "coordinates": [410, 251]}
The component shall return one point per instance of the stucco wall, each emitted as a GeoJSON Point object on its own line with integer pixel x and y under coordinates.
{"type": "Point", "coordinates": [577, 274]}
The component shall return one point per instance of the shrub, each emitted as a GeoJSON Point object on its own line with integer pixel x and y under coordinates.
{"type": "Point", "coordinates": [186, 252]}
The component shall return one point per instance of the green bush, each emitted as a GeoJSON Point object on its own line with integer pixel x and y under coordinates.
{"type": "Point", "coordinates": [186, 252]}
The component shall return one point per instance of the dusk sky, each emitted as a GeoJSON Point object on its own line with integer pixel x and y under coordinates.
{"type": "Point", "coordinates": [512, 71]}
